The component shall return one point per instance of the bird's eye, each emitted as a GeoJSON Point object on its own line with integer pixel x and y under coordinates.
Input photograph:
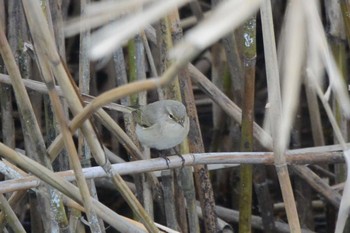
{"type": "Point", "coordinates": [171, 116]}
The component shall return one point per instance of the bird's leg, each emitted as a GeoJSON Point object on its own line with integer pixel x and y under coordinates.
{"type": "Point", "coordinates": [167, 160]}
{"type": "Point", "coordinates": [163, 155]}
{"type": "Point", "coordinates": [178, 154]}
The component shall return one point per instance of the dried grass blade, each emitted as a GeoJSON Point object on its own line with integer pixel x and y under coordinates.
{"type": "Point", "coordinates": [317, 33]}
{"type": "Point", "coordinates": [215, 26]}
{"type": "Point", "coordinates": [100, 13]}
{"type": "Point", "coordinates": [111, 37]}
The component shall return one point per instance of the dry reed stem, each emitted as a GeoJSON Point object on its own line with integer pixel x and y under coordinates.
{"type": "Point", "coordinates": [186, 191]}
{"type": "Point", "coordinates": [61, 118]}
{"type": "Point", "coordinates": [10, 215]}
{"type": "Point", "coordinates": [322, 187]}
{"type": "Point", "coordinates": [223, 158]}
{"type": "Point", "coordinates": [35, 140]}
{"type": "Point", "coordinates": [91, 104]}
{"type": "Point", "coordinates": [234, 111]}
{"type": "Point", "coordinates": [227, 105]}
{"type": "Point", "coordinates": [104, 118]}
{"type": "Point", "coordinates": [293, 48]}
{"type": "Point", "coordinates": [174, 201]}
{"type": "Point", "coordinates": [15, 198]}
{"type": "Point", "coordinates": [40, 87]}
{"type": "Point", "coordinates": [63, 186]}
{"type": "Point", "coordinates": [47, 52]}
{"type": "Point", "coordinates": [315, 28]}
{"type": "Point", "coordinates": [273, 112]}
{"type": "Point", "coordinates": [233, 216]}
{"type": "Point", "coordinates": [51, 63]}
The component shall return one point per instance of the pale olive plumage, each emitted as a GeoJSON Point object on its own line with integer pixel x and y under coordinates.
{"type": "Point", "coordinates": [162, 125]}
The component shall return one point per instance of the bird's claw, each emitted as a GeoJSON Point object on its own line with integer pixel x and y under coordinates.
{"type": "Point", "coordinates": [183, 160]}
{"type": "Point", "coordinates": [167, 160]}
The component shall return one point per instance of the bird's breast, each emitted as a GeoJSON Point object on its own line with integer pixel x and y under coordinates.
{"type": "Point", "coordinates": [164, 135]}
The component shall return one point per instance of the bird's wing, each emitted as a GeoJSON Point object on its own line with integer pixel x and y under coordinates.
{"type": "Point", "coordinates": [140, 119]}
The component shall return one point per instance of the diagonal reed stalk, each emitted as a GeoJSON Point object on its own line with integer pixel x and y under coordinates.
{"type": "Point", "coordinates": [30, 125]}
{"type": "Point", "coordinates": [66, 188]}
{"type": "Point", "coordinates": [10, 215]}
{"type": "Point", "coordinates": [50, 60]}
{"type": "Point", "coordinates": [302, 24]}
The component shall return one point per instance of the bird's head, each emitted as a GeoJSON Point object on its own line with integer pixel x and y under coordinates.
{"type": "Point", "coordinates": [177, 113]}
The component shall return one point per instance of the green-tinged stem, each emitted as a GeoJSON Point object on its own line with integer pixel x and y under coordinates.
{"type": "Point", "coordinates": [246, 172]}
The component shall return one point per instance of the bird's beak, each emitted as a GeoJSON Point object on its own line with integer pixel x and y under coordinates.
{"type": "Point", "coordinates": [181, 122]}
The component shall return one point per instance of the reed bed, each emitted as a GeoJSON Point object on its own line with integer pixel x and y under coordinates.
{"type": "Point", "coordinates": [265, 87]}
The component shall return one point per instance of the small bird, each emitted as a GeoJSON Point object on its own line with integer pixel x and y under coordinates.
{"type": "Point", "coordinates": [162, 125]}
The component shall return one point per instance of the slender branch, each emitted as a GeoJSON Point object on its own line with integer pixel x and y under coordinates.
{"type": "Point", "coordinates": [190, 159]}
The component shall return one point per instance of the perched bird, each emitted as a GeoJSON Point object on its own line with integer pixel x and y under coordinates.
{"type": "Point", "coordinates": [162, 125]}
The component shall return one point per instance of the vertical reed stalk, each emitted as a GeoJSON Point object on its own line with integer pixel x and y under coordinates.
{"type": "Point", "coordinates": [246, 171]}
{"type": "Point", "coordinates": [201, 173]}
